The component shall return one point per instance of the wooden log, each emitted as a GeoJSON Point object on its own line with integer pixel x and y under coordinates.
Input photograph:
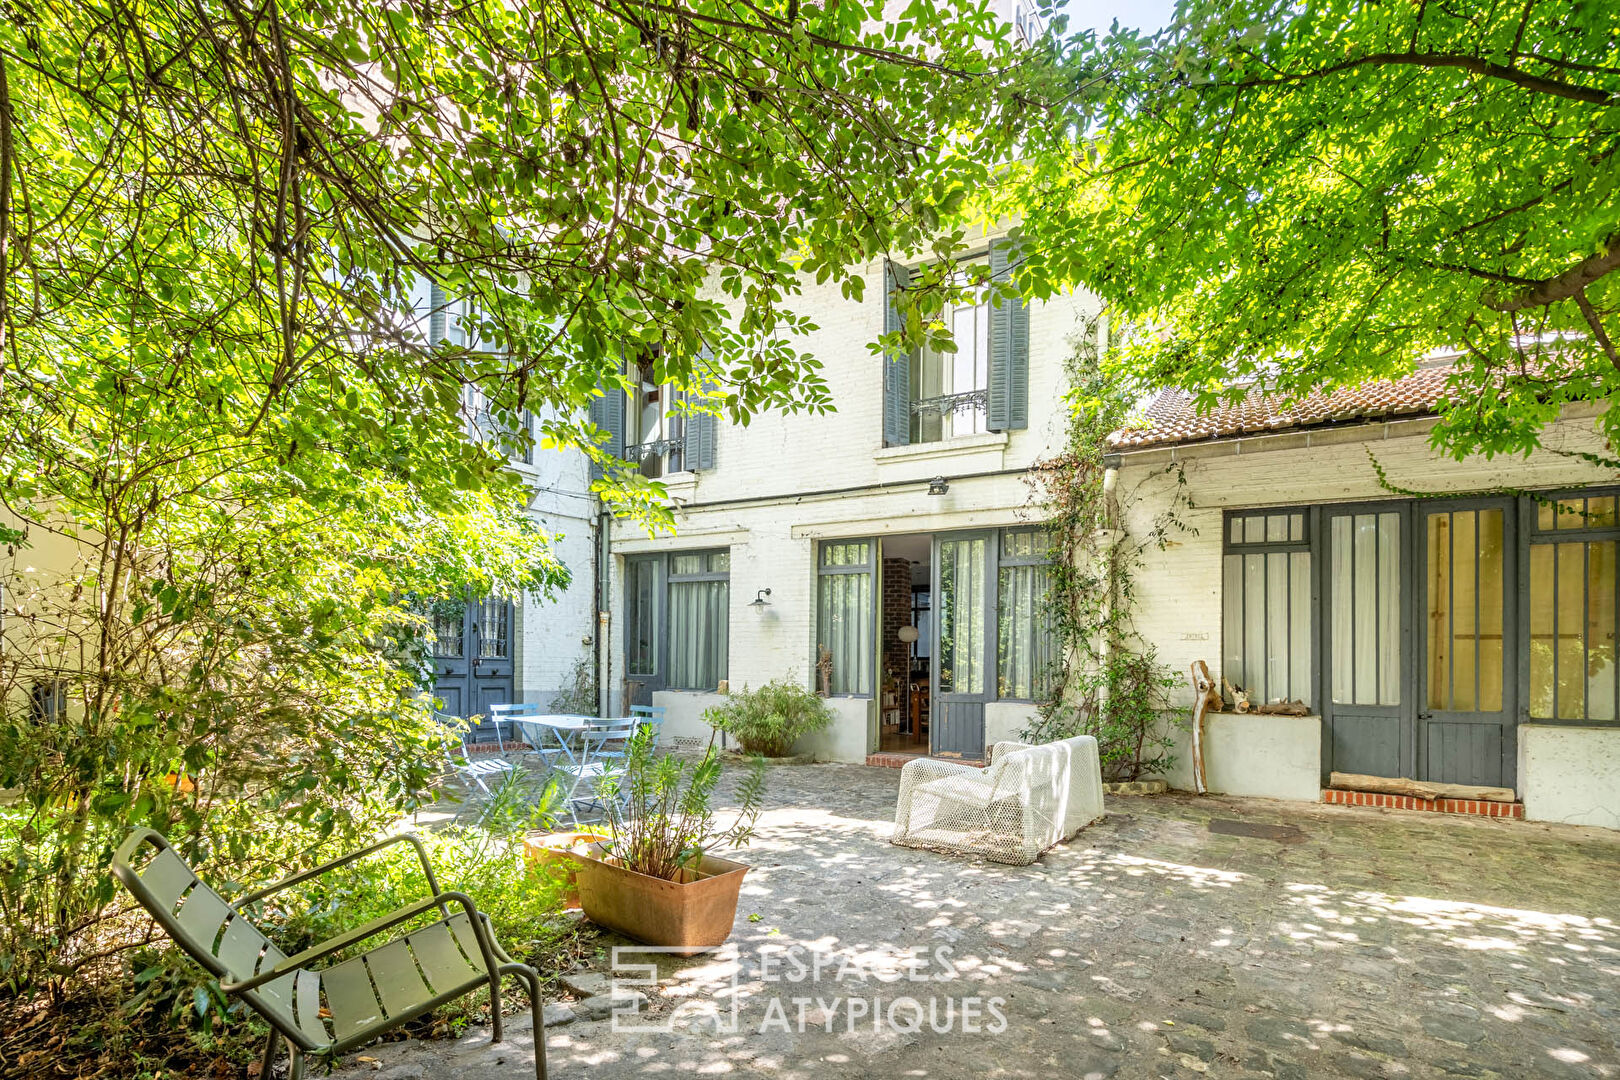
{"type": "Point", "coordinates": [1420, 789]}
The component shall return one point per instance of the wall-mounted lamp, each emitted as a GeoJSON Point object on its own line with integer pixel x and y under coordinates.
{"type": "Point", "coordinates": [759, 603]}
{"type": "Point", "coordinates": [938, 486]}
{"type": "Point", "coordinates": [908, 634]}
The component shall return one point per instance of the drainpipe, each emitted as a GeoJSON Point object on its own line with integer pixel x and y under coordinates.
{"type": "Point", "coordinates": [1108, 535]}
{"type": "Point", "coordinates": [604, 614]}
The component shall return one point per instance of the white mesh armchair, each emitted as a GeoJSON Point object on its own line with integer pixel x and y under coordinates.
{"type": "Point", "coordinates": [1027, 799]}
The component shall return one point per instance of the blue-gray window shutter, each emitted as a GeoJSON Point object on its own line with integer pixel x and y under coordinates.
{"type": "Point", "coordinates": [607, 412]}
{"type": "Point", "coordinates": [700, 433]}
{"type": "Point", "coordinates": [436, 306]}
{"type": "Point", "coordinates": [897, 365]}
{"type": "Point", "coordinates": [1009, 350]}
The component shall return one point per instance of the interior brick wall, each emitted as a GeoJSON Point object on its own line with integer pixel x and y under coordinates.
{"type": "Point", "coordinates": [896, 613]}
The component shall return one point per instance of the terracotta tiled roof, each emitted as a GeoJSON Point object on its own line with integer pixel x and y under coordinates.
{"type": "Point", "coordinates": [1172, 419]}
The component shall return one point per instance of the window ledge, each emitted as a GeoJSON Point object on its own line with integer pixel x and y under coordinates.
{"type": "Point", "coordinates": [966, 444]}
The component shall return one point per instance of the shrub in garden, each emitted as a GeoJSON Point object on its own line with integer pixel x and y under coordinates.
{"type": "Point", "coordinates": [770, 720]}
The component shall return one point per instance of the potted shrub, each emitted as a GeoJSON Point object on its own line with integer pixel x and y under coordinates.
{"type": "Point", "coordinates": [769, 721]}
{"type": "Point", "coordinates": [655, 879]}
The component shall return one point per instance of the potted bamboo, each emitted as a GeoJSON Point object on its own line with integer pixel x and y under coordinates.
{"type": "Point", "coordinates": [656, 880]}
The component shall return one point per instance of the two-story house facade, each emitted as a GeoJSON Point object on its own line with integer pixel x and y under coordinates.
{"type": "Point", "coordinates": [886, 554]}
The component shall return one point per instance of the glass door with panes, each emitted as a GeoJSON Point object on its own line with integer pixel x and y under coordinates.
{"type": "Point", "coordinates": [963, 647]}
{"type": "Point", "coordinates": [643, 623]}
{"type": "Point", "coordinates": [472, 654]}
{"type": "Point", "coordinates": [1466, 661]}
{"type": "Point", "coordinates": [1369, 716]}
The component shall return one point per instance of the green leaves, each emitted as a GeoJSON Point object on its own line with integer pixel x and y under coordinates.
{"type": "Point", "coordinates": [1321, 195]}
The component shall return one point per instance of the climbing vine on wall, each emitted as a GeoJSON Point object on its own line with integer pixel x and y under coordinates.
{"type": "Point", "coordinates": [1108, 681]}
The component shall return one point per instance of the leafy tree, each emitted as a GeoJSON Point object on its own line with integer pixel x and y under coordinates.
{"type": "Point", "coordinates": [1317, 194]}
{"type": "Point", "coordinates": [232, 408]}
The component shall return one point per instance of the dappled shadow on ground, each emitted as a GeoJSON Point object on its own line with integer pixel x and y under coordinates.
{"type": "Point", "coordinates": [1376, 944]}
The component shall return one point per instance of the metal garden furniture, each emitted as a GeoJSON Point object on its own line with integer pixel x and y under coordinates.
{"type": "Point", "coordinates": [651, 716]}
{"type": "Point", "coordinates": [477, 770]}
{"type": "Point", "coordinates": [1029, 798]}
{"type": "Point", "coordinates": [328, 1011]}
{"type": "Point", "coordinates": [510, 714]}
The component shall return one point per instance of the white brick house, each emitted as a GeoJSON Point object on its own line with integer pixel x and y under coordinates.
{"type": "Point", "coordinates": [1466, 637]}
{"type": "Point", "coordinates": [800, 531]}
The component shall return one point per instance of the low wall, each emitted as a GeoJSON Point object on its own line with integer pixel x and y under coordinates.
{"type": "Point", "coordinates": [852, 735]}
{"type": "Point", "coordinates": [683, 714]}
{"type": "Point", "coordinates": [1570, 774]}
{"type": "Point", "coordinates": [1271, 757]}
{"type": "Point", "coordinates": [1005, 721]}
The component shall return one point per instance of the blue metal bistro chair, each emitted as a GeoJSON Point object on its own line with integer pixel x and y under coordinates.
{"type": "Point", "coordinates": [332, 1010]}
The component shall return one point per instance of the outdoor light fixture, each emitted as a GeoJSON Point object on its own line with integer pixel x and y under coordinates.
{"type": "Point", "coordinates": [938, 486]}
{"type": "Point", "coordinates": [759, 603]}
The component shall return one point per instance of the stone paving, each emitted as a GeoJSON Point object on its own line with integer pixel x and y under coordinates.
{"type": "Point", "coordinates": [1161, 942]}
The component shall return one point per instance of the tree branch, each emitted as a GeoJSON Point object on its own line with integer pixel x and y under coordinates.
{"type": "Point", "coordinates": [1591, 95]}
{"type": "Point", "coordinates": [1570, 283]}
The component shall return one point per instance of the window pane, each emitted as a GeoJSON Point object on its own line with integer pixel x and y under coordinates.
{"type": "Point", "coordinates": [1572, 514]}
{"type": "Point", "coordinates": [962, 616]}
{"type": "Point", "coordinates": [1232, 620]}
{"type": "Point", "coordinates": [1024, 640]}
{"type": "Point", "coordinates": [1464, 610]}
{"type": "Point", "coordinates": [1438, 575]}
{"type": "Point", "coordinates": [1237, 530]}
{"type": "Point", "coordinates": [1365, 528]}
{"type": "Point", "coordinates": [492, 629]}
{"type": "Point", "coordinates": [449, 626]}
{"type": "Point", "coordinates": [1276, 528]}
{"type": "Point", "coordinates": [1277, 629]}
{"type": "Point", "coordinates": [1296, 527]}
{"type": "Point", "coordinates": [1254, 628]}
{"type": "Point", "coordinates": [1299, 623]}
{"type": "Point", "coordinates": [1543, 635]}
{"type": "Point", "coordinates": [1571, 647]}
{"type": "Point", "coordinates": [720, 562]}
{"type": "Point", "coordinates": [686, 564]}
{"type": "Point", "coordinates": [1546, 515]}
{"type": "Point", "coordinates": [1600, 513]}
{"type": "Point", "coordinates": [1344, 646]}
{"type": "Point", "coordinates": [1492, 559]}
{"type": "Point", "coordinates": [1254, 529]}
{"type": "Point", "coordinates": [641, 614]}
{"type": "Point", "coordinates": [1600, 592]}
{"type": "Point", "coordinates": [845, 553]}
{"type": "Point", "coordinates": [845, 625]}
{"type": "Point", "coordinates": [1389, 609]}
{"type": "Point", "coordinates": [699, 631]}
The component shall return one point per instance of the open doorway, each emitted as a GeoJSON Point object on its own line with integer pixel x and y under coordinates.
{"type": "Point", "coordinates": [904, 644]}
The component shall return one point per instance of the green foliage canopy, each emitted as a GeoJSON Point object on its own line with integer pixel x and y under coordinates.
{"type": "Point", "coordinates": [1319, 194]}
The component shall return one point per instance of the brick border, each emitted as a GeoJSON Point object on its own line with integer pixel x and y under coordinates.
{"type": "Point", "coordinates": [1475, 807]}
{"type": "Point", "coordinates": [889, 759]}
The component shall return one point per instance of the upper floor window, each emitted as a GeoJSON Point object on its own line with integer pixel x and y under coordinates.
{"type": "Point", "coordinates": [950, 391]}
{"type": "Point", "coordinates": [930, 395]}
{"type": "Point", "coordinates": [652, 426]}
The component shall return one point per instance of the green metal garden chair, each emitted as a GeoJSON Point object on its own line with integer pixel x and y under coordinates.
{"type": "Point", "coordinates": [332, 1010]}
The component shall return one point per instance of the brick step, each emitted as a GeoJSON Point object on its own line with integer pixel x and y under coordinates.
{"type": "Point", "coordinates": [890, 759]}
{"type": "Point", "coordinates": [1476, 807]}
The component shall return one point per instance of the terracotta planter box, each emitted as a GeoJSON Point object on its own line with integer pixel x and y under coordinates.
{"type": "Point", "coordinates": [688, 916]}
{"type": "Point", "coordinates": [559, 850]}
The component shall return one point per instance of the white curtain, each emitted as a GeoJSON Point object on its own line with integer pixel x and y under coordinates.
{"type": "Point", "coordinates": [1024, 648]}
{"type": "Point", "coordinates": [699, 633]}
{"type": "Point", "coordinates": [846, 625]}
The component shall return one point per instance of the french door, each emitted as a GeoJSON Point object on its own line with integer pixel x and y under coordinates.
{"type": "Point", "coordinates": [1421, 672]}
{"type": "Point", "coordinates": [964, 642]}
{"type": "Point", "coordinates": [472, 654]}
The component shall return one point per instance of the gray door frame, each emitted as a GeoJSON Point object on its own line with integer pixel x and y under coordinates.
{"type": "Point", "coordinates": [645, 683]}
{"type": "Point", "coordinates": [1346, 723]}
{"type": "Point", "coordinates": [956, 719]}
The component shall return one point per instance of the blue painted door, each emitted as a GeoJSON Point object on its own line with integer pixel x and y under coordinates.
{"type": "Point", "coordinates": [964, 642]}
